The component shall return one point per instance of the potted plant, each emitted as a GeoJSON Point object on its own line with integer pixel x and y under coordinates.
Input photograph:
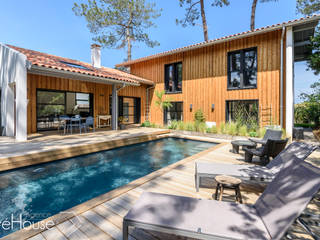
{"type": "Point", "coordinates": [121, 121]}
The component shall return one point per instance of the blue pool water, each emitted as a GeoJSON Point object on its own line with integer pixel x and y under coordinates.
{"type": "Point", "coordinates": [40, 191]}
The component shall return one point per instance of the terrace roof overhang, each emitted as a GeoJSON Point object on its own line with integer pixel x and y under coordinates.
{"type": "Point", "coordinates": [52, 72]}
{"type": "Point", "coordinates": [301, 37]}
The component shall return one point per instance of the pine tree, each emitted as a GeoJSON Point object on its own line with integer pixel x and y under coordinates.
{"type": "Point", "coordinates": [193, 11]}
{"type": "Point", "coordinates": [117, 23]}
{"type": "Point", "coordinates": [253, 12]}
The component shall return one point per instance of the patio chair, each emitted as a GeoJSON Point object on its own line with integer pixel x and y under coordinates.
{"type": "Point", "coordinates": [276, 209]}
{"type": "Point", "coordinates": [253, 172]}
{"type": "Point", "coordinates": [74, 122]}
{"type": "Point", "coordinates": [63, 123]}
{"type": "Point", "coordinates": [270, 134]}
{"type": "Point", "coordinates": [271, 149]}
{"type": "Point", "coordinates": [87, 124]}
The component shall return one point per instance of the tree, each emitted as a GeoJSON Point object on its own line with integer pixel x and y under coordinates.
{"type": "Point", "coordinates": [311, 100]}
{"type": "Point", "coordinates": [312, 103]}
{"type": "Point", "coordinates": [253, 12]}
{"type": "Point", "coordinates": [193, 11]}
{"type": "Point", "coordinates": [162, 102]}
{"type": "Point", "coordinates": [308, 7]}
{"type": "Point", "coordinates": [314, 58]}
{"type": "Point", "coordinates": [117, 23]}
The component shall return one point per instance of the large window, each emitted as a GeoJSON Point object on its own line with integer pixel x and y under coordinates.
{"type": "Point", "coordinates": [173, 78]}
{"type": "Point", "coordinates": [173, 113]}
{"type": "Point", "coordinates": [242, 69]}
{"type": "Point", "coordinates": [244, 112]}
{"type": "Point", "coordinates": [52, 104]}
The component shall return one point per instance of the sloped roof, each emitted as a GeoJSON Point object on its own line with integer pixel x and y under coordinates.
{"type": "Point", "coordinates": [74, 66]}
{"type": "Point", "coordinates": [273, 27]}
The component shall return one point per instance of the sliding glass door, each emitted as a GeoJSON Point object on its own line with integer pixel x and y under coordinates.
{"type": "Point", "coordinates": [129, 109]}
{"type": "Point", "coordinates": [53, 104]}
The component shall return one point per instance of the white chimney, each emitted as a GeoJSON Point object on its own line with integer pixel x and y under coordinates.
{"type": "Point", "coordinates": [96, 55]}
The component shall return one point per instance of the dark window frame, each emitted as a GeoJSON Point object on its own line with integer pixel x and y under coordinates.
{"type": "Point", "coordinates": [242, 80]}
{"type": "Point", "coordinates": [227, 118]}
{"type": "Point", "coordinates": [175, 78]}
{"type": "Point", "coordinates": [91, 106]}
{"type": "Point", "coordinates": [165, 119]}
{"type": "Point", "coordinates": [137, 108]}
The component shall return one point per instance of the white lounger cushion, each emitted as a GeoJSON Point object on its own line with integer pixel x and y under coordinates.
{"type": "Point", "coordinates": [244, 171]}
{"type": "Point", "coordinates": [296, 150]}
{"type": "Point", "coordinates": [206, 217]}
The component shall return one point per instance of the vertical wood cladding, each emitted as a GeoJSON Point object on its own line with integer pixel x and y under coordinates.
{"type": "Point", "coordinates": [205, 78]}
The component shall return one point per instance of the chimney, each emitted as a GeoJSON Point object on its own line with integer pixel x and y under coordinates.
{"type": "Point", "coordinates": [96, 55]}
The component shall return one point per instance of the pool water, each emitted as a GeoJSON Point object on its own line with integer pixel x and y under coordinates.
{"type": "Point", "coordinates": [40, 191]}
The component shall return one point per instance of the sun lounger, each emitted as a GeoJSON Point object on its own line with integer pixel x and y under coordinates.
{"type": "Point", "coordinates": [270, 134]}
{"type": "Point", "coordinates": [281, 203]}
{"type": "Point", "coordinates": [253, 172]}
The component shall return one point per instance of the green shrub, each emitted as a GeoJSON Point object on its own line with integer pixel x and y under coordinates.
{"type": "Point", "coordinates": [253, 134]}
{"type": "Point", "coordinates": [201, 127]}
{"type": "Point", "coordinates": [222, 128]}
{"type": "Point", "coordinates": [180, 125]}
{"type": "Point", "coordinates": [305, 125]}
{"type": "Point", "coordinates": [243, 130]}
{"type": "Point", "coordinates": [208, 130]}
{"type": "Point", "coordinates": [199, 116]}
{"type": "Point", "coordinates": [214, 129]}
{"type": "Point", "coordinates": [189, 126]}
{"type": "Point", "coordinates": [173, 125]}
{"type": "Point", "coordinates": [231, 129]}
{"type": "Point", "coordinates": [146, 124]}
{"type": "Point", "coordinates": [153, 125]}
{"type": "Point", "coordinates": [261, 132]}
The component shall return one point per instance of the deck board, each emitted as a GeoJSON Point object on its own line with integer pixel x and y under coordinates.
{"type": "Point", "coordinates": [90, 230]}
{"type": "Point", "coordinates": [105, 220]}
{"type": "Point", "coordinates": [103, 224]}
{"type": "Point", "coordinates": [37, 237]}
{"type": "Point", "coordinates": [53, 234]}
{"type": "Point", "coordinates": [71, 231]}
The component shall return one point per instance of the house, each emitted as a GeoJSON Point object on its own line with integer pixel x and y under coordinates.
{"type": "Point", "coordinates": [252, 71]}
{"type": "Point", "coordinates": [37, 88]}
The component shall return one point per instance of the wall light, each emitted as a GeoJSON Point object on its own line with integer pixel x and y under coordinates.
{"type": "Point", "coordinates": [212, 107]}
{"type": "Point", "coordinates": [190, 107]}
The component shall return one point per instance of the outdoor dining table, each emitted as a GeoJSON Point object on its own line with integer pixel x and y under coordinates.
{"type": "Point", "coordinates": [68, 122]}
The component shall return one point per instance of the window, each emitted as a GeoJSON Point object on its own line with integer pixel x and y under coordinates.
{"type": "Point", "coordinates": [52, 104]}
{"type": "Point", "coordinates": [242, 69]}
{"type": "Point", "coordinates": [78, 103]}
{"type": "Point", "coordinates": [76, 65]}
{"type": "Point", "coordinates": [244, 112]}
{"type": "Point", "coordinates": [173, 78]}
{"type": "Point", "coordinates": [173, 113]}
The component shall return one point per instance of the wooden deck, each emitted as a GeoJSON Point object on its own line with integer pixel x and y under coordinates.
{"type": "Point", "coordinates": [104, 221]}
{"type": "Point", "coordinates": [42, 147]}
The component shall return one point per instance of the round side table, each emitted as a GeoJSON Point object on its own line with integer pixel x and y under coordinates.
{"type": "Point", "coordinates": [228, 182]}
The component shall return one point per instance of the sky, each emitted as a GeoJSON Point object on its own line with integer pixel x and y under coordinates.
{"type": "Point", "coordinates": [51, 26]}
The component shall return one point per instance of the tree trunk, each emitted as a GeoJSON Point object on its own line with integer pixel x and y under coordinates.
{"type": "Point", "coordinates": [253, 14]}
{"type": "Point", "coordinates": [204, 21]}
{"type": "Point", "coordinates": [128, 44]}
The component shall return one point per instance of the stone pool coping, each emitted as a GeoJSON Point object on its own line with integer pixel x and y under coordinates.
{"type": "Point", "coordinates": [78, 209]}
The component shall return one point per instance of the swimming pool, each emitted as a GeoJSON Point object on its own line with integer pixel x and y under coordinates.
{"type": "Point", "coordinates": [40, 191]}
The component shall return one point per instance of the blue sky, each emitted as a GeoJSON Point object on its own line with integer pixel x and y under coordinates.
{"type": "Point", "coordinates": [50, 26]}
